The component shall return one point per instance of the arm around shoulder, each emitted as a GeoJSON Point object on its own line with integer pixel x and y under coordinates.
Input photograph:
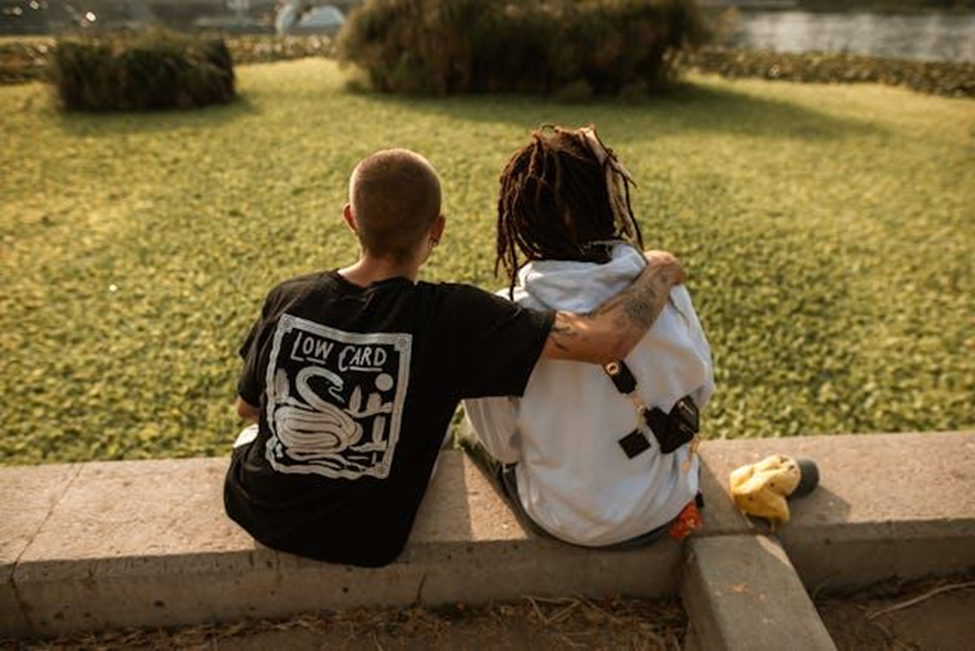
{"type": "Point", "coordinates": [613, 329]}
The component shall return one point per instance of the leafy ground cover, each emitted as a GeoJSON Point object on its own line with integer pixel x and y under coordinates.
{"type": "Point", "coordinates": [829, 232]}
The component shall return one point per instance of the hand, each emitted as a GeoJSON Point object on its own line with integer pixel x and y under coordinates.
{"type": "Point", "coordinates": [666, 266]}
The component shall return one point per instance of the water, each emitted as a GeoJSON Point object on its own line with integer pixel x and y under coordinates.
{"type": "Point", "coordinates": [935, 36]}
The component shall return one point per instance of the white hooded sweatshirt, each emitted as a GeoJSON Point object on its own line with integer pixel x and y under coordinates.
{"type": "Point", "coordinates": [574, 479]}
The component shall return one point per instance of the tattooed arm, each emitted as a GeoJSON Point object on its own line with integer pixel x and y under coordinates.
{"type": "Point", "coordinates": [613, 329]}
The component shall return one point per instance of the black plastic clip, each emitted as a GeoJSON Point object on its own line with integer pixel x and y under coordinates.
{"type": "Point", "coordinates": [621, 376]}
{"type": "Point", "coordinates": [635, 443]}
{"type": "Point", "coordinates": [675, 429]}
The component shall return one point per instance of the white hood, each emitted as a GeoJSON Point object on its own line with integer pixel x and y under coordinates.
{"type": "Point", "coordinates": [574, 480]}
{"type": "Point", "coordinates": [578, 286]}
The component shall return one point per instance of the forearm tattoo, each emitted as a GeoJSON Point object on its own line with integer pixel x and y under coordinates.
{"type": "Point", "coordinates": [642, 306]}
{"type": "Point", "coordinates": [625, 318]}
{"type": "Point", "coordinates": [634, 310]}
{"type": "Point", "coordinates": [561, 331]}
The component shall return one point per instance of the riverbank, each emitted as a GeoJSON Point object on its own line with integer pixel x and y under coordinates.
{"type": "Point", "coordinates": [889, 7]}
{"type": "Point", "coordinates": [924, 36]}
{"type": "Point", "coordinates": [934, 77]}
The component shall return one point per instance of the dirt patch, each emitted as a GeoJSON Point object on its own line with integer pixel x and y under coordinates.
{"type": "Point", "coordinates": [530, 624]}
{"type": "Point", "coordinates": [933, 615]}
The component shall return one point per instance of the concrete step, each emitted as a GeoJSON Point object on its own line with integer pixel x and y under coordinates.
{"type": "Point", "coordinates": [146, 543]}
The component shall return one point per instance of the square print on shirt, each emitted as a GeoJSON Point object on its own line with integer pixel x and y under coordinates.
{"type": "Point", "coordinates": [335, 399]}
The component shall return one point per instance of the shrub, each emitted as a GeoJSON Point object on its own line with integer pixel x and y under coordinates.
{"type": "Point", "coordinates": [949, 78]}
{"type": "Point", "coordinates": [444, 47]}
{"type": "Point", "coordinates": [154, 70]}
{"type": "Point", "coordinates": [23, 61]}
{"type": "Point", "coordinates": [27, 60]}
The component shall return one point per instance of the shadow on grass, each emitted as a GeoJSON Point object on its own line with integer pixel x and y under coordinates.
{"type": "Point", "coordinates": [694, 107]}
{"type": "Point", "coordinates": [110, 124]}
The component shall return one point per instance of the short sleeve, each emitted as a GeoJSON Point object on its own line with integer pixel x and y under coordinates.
{"type": "Point", "coordinates": [250, 385]}
{"type": "Point", "coordinates": [492, 343]}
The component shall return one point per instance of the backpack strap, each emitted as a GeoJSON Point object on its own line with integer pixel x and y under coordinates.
{"type": "Point", "coordinates": [622, 377]}
{"type": "Point", "coordinates": [671, 430]}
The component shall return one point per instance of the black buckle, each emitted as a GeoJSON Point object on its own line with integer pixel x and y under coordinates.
{"type": "Point", "coordinates": [622, 377]}
{"type": "Point", "coordinates": [688, 413]}
{"type": "Point", "coordinates": [675, 429]}
{"type": "Point", "coordinates": [671, 430]}
{"type": "Point", "coordinates": [635, 443]}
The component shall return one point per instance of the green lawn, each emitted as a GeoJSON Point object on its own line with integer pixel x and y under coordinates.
{"type": "Point", "coordinates": [829, 231]}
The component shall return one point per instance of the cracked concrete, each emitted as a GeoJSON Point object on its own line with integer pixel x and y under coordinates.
{"type": "Point", "coordinates": [419, 590]}
{"type": "Point", "coordinates": [30, 496]}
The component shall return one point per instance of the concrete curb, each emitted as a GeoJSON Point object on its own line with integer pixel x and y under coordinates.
{"type": "Point", "coordinates": [742, 594]}
{"type": "Point", "coordinates": [146, 543]}
{"type": "Point", "coordinates": [889, 505]}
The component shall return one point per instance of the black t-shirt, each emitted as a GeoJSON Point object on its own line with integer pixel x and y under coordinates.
{"type": "Point", "coordinates": [356, 388]}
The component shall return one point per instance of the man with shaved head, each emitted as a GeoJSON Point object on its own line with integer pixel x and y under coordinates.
{"type": "Point", "coordinates": [395, 195]}
{"type": "Point", "coordinates": [352, 375]}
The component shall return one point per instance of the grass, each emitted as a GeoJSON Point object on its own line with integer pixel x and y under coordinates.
{"type": "Point", "coordinates": [829, 231]}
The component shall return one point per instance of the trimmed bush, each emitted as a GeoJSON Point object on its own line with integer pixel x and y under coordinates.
{"type": "Point", "coordinates": [145, 71]}
{"type": "Point", "coordinates": [23, 61]}
{"type": "Point", "coordinates": [444, 47]}
{"type": "Point", "coordinates": [27, 60]}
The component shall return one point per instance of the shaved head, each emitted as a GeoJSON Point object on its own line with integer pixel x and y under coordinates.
{"type": "Point", "coordinates": [395, 198]}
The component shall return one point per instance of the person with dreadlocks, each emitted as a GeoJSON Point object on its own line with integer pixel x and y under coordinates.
{"type": "Point", "coordinates": [593, 456]}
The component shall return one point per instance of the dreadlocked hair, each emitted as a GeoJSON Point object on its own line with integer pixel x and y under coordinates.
{"type": "Point", "coordinates": [555, 205]}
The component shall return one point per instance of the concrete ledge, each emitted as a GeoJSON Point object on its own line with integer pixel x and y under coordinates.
{"type": "Point", "coordinates": [103, 545]}
{"type": "Point", "coordinates": [741, 593]}
{"type": "Point", "coordinates": [889, 505]}
{"type": "Point", "coordinates": [147, 544]}
{"type": "Point", "coordinates": [29, 496]}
